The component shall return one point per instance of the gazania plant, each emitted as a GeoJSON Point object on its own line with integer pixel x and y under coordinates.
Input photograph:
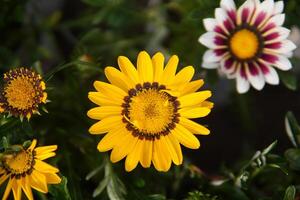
{"type": "Point", "coordinates": [248, 43]}
{"type": "Point", "coordinates": [145, 112]}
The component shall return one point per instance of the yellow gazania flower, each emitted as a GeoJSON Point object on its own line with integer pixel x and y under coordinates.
{"type": "Point", "coordinates": [145, 111]}
{"type": "Point", "coordinates": [26, 169]}
{"type": "Point", "coordinates": [22, 92]}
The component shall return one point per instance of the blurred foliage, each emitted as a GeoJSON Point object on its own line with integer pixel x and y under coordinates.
{"type": "Point", "coordinates": [70, 42]}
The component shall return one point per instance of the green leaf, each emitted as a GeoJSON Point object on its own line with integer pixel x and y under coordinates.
{"type": "Point", "coordinates": [156, 197]}
{"type": "Point", "coordinates": [269, 148]}
{"type": "Point", "coordinates": [60, 191]}
{"type": "Point", "coordinates": [293, 157]}
{"type": "Point", "coordinates": [290, 193]}
{"type": "Point", "coordinates": [292, 128]}
{"type": "Point", "coordinates": [102, 185]}
{"type": "Point", "coordinates": [288, 79]}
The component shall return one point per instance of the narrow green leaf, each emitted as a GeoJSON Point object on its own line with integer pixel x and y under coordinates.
{"type": "Point", "coordinates": [290, 193]}
{"type": "Point", "coordinates": [292, 128]}
{"type": "Point", "coordinates": [102, 185]}
{"type": "Point", "coordinates": [269, 148]}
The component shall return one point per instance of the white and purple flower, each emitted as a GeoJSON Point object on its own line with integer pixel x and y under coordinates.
{"type": "Point", "coordinates": [248, 43]}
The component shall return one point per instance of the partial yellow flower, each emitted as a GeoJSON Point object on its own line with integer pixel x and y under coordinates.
{"type": "Point", "coordinates": [22, 92]}
{"type": "Point", "coordinates": [26, 169]}
{"type": "Point", "coordinates": [144, 112]}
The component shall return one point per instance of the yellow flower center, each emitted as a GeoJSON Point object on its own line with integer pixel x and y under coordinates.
{"type": "Point", "coordinates": [151, 111]}
{"type": "Point", "coordinates": [20, 93]}
{"type": "Point", "coordinates": [244, 44]}
{"type": "Point", "coordinates": [18, 163]}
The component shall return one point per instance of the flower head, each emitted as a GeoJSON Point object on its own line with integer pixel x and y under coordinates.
{"type": "Point", "coordinates": [25, 169]}
{"type": "Point", "coordinates": [145, 111]}
{"type": "Point", "coordinates": [248, 43]}
{"type": "Point", "coordinates": [22, 92]}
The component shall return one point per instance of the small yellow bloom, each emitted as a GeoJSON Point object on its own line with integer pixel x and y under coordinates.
{"type": "Point", "coordinates": [144, 112]}
{"type": "Point", "coordinates": [26, 169]}
{"type": "Point", "coordinates": [23, 91]}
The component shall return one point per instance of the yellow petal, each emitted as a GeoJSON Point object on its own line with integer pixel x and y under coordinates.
{"type": "Point", "coordinates": [52, 178]}
{"type": "Point", "coordinates": [184, 76]}
{"type": "Point", "coordinates": [194, 112]}
{"type": "Point", "coordinates": [194, 98]}
{"type": "Point", "coordinates": [161, 156]}
{"type": "Point", "coordinates": [106, 125]}
{"type": "Point", "coordinates": [45, 149]}
{"type": "Point", "coordinates": [118, 78]}
{"type": "Point", "coordinates": [7, 190]}
{"type": "Point", "coordinates": [43, 167]}
{"type": "Point", "coordinates": [128, 69]}
{"type": "Point", "coordinates": [192, 87]}
{"type": "Point", "coordinates": [133, 157]}
{"type": "Point", "coordinates": [111, 139]}
{"type": "Point", "coordinates": [26, 187]}
{"type": "Point", "coordinates": [125, 145]}
{"type": "Point", "coordinates": [193, 126]}
{"type": "Point", "coordinates": [38, 181]}
{"type": "Point", "coordinates": [16, 188]}
{"type": "Point", "coordinates": [3, 178]}
{"type": "Point", "coordinates": [171, 149]}
{"type": "Point", "coordinates": [185, 137]}
{"type": "Point", "coordinates": [170, 70]}
{"type": "Point", "coordinates": [146, 155]}
{"type": "Point", "coordinates": [158, 66]}
{"type": "Point", "coordinates": [110, 90]}
{"type": "Point", "coordinates": [144, 67]}
{"type": "Point", "coordinates": [102, 100]}
{"type": "Point", "coordinates": [45, 156]}
{"type": "Point", "coordinates": [104, 111]}
{"type": "Point", "coordinates": [33, 144]}
{"type": "Point", "coordinates": [176, 146]}
{"type": "Point", "coordinates": [207, 104]}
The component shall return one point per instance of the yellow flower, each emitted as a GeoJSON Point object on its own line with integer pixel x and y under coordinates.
{"type": "Point", "coordinates": [145, 111]}
{"type": "Point", "coordinates": [23, 91]}
{"type": "Point", "coordinates": [26, 169]}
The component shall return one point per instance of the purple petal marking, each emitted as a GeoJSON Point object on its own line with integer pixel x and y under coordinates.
{"type": "Point", "coordinates": [263, 68]}
{"type": "Point", "coordinates": [253, 69]}
{"type": "Point", "coordinates": [232, 15]}
{"type": "Point", "coordinates": [228, 25]}
{"type": "Point", "coordinates": [243, 72]}
{"type": "Point", "coordinates": [220, 52]}
{"type": "Point", "coordinates": [269, 58]}
{"type": "Point", "coordinates": [245, 14]}
{"type": "Point", "coordinates": [219, 41]}
{"type": "Point", "coordinates": [260, 18]}
{"type": "Point", "coordinates": [268, 27]}
{"type": "Point", "coordinates": [272, 36]}
{"type": "Point", "coordinates": [218, 29]}
{"type": "Point", "coordinates": [276, 45]}
{"type": "Point", "coordinates": [229, 63]}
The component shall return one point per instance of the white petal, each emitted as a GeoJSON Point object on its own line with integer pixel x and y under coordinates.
{"type": "Point", "coordinates": [267, 6]}
{"type": "Point", "coordinates": [207, 39]}
{"type": "Point", "coordinates": [283, 63]}
{"type": "Point", "coordinates": [278, 7]}
{"type": "Point", "coordinates": [221, 16]}
{"type": "Point", "coordinates": [278, 20]}
{"type": "Point", "coordinates": [271, 77]}
{"type": "Point", "coordinates": [228, 5]}
{"type": "Point", "coordinates": [210, 65]}
{"type": "Point", "coordinates": [257, 81]}
{"type": "Point", "coordinates": [242, 84]}
{"type": "Point", "coordinates": [282, 31]}
{"type": "Point", "coordinates": [210, 56]}
{"type": "Point", "coordinates": [286, 47]}
{"type": "Point", "coordinates": [248, 4]}
{"type": "Point", "coordinates": [209, 24]}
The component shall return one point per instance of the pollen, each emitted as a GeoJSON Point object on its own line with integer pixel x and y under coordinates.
{"type": "Point", "coordinates": [244, 44]}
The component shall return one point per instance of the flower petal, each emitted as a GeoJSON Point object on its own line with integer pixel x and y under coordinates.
{"type": "Point", "coordinates": [194, 98]}
{"type": "Point", "coordinates": [105, 125]}
{"type": "Point", "coordinates": [170, 70]}
{"type": "Point", "coordinates": [118, 78]}
{"type": "Point", "coordinates": [242, 82]}
{"type": "Point", "coordinates": [128, 69]}
{"type": "Point", "coordinates": [133, 157]}
{"type": "Point", "coordinates": [144, 67]}
{"type": "Point", "coordinates": [210, 24]}
{"type": "Point", "coordinates": [146, 155]}
{"type": "Point", "coordinates": [194, 127]}
{"type": "Point", "coordinates": [104, 111]}
{"type": "Point", "coordinates": [185, 137]}
{"type": "Point", "coordinates": [255, 76]}
{"type": "Point", "coordinates": [158, 66]}
{"type": "Point", "coordinates": [38, 181]}
{"type": "Point", "coordinates": [269, 73]}
{"type": "Point", "coordinates": [112, 138]}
